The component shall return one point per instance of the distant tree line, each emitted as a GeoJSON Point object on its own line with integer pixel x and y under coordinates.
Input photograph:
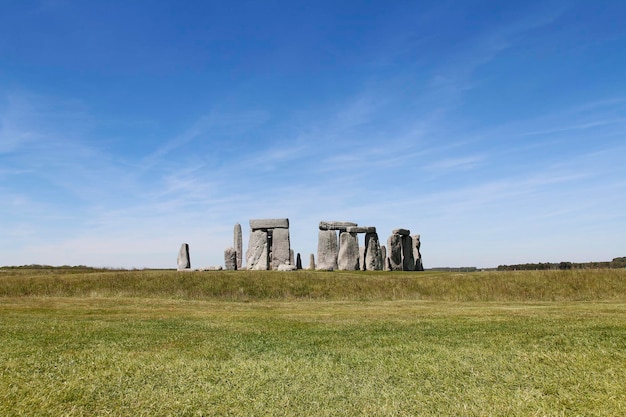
{"type": "Point", "coordinates": [615, 263]}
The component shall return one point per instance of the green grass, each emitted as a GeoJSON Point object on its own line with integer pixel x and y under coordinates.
{"type": "Point", "coordinates": [606, 284]}
{"type": "Point", "coordinates": [150, 343]}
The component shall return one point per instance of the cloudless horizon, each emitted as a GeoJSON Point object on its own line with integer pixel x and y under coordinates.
{"type": "Point", "coordinates": [495, 130]}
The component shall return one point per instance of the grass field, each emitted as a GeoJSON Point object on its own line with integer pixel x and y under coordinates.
{"type": "Point", "coordinates": [312, 344]}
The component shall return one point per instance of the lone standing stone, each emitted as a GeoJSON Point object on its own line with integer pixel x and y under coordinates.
{"type": "Point", "coordinates": [373, 255]}
{"type": "Point", "coordinates": [312, 262]}
{"type": "Point", "coordinates": [383, 256]}
{"type": "Point", "coordinates": [183, 257]}
{"type": "Point", "coordinates": [348, 258]}
{"type": "Point", "coordinates": [230, 259]}
{"type": "Point", "coordinates": [298, 262]}
{"type": "Point", "coordinates": [238, 244]}
{"type": "Point", "coordinates": [327, 250]}
{"type": "Point", "coordinates": [362, 258]}
{"type": "Point", "coordinates": [394, 246]}
{"type": "Point", "coordinates": [256, 255]}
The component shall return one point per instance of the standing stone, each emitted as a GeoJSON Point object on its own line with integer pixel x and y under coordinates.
{"type": "Point", "coordinates": [394, 247]}
{"type": "Point", "coordinates": [291, 259]}
{"type": "Point", "coordinates": [327, 250]}
{"type": "Point", "coordinates": [312, 262]}
{"type": "Point", "coordinates": [383, 256]}
{"type": "Point", "coordinates": [256, 255]}
{"type": "Point", "coordinates": [184, 262]}
{"type": "Point", "coordinates": [373, 255]}
{"type": "Point", "coordinates": [408, 262]}
{"type": "Point", "coordinates": [238, 244]}
{"type": "Point", "coordinates": [230, 259]}
{"type": "Point", "coordinates": [417, 254]}
{"type": "Point", "coordinates": [362, 258]}
{"type": "Point", "coordinates": [298, 262]}
{"type": "Point", "coordinates": [348, 258]}
{"type": "Point", "coordinates": [281, 250]}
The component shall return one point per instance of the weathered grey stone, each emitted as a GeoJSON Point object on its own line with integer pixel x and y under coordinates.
{"type": "Point", "coordinates": [373, 255]}
{"type": "Point", "coordinates": [291, 259]}
{"type": "Point", "coordinates": [286, 267]}
{"type": "Point", "coordinates": [403, 232]}
{"type": "Point", "coordinates": [312, 262]}
{"type": "Point", "coordinates": [298, 261]}
{"type": "Point", "coordinates": [408, 262]}
{"type": "Point", "coordinates": [230, 259]}
{"type": "Point", "coordinates": [336, 226]}
{"type": "Point", "coordinates": [259, 224]}
{"type": "Point", "coordinates": [256, 255]}
{"type": "Point", "coordinates": [281, 250]}
{"type": "Point", "coordinates": [348, 258]}
{"type": "Point", "coordinates": [238, 244]}
{"type": "Point", "coordinates": [383, 256]}
{"type": "Point", "coordinates": [210, 268]}
{"type": "Point", "coordinates": [361, 258]}
{"type": "Point", "coordinates": [361, 229]}
{"type": "Point", "coordinates": [419, 266]}
{"type": "Point", "coordinates": [327, 250]}
{"type": "Point", "coordinates": [184, 262]}
{"type": "Point", "coordinates": [394, 252]}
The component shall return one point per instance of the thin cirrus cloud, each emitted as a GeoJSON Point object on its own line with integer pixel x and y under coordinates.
{"type": "Point", "coordinates": [428, 121]}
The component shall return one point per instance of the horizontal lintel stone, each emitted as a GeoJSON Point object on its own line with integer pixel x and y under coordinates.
{"type": "Point", "coordinates": [403, 232]}
{"type": "Point", "coordinates": [336, 225]}
{"type": "Point", "coordinates": [360, 229]}
{"type": "Point", "coordinates": [269, 224]}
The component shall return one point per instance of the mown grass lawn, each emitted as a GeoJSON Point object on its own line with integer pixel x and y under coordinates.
{"type": "Point", "coordinates": [142, 355]}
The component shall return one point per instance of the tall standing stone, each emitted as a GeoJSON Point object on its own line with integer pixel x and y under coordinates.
{"type": "Point", "coordinates": [373, 255]}
{"type": "Point", "coordinates": [348, 258]}
{"type": "Point", "coordinates": [327, 250]}
{"type": "Point", "coordinates": [362, 258]}
{"type": "Point", "coordinates": [238, 245]}
{"type": "Point", "coordinates": [312, 262]}
{"type": "Point", "coordinates": [408, 262]}
{"type": "Point", "coordinates": [383, 256]}
{"type": "Point", "coordinates": [281, 250]}
{"type": "Point", "coordinates": [256, 255]}
{"type": "Point", "coordinates": [298, 261]}
{"type": "Point", "coordinates": [184, 262]}
{"type": "Point", "coordinates": [419, 266]}
{"type": "Point", "coordinates": [230, 259]}
{"type": "Point", "coordinates": [394, 248]}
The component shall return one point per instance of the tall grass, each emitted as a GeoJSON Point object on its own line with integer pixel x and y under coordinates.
{"type": "Point", "coordinates": [572, 285]}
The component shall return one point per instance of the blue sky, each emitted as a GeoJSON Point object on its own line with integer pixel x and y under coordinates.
{"type": "Point", "coordinates": [496, 130]}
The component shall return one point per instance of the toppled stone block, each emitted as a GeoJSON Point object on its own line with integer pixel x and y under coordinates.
{"type": "Point", "coordinates": [342, 226]}
{"type": "Point", "coordinates": [183, 261]}
{"type": "Point", "coordinates": [286, 267]}
{"type": "Point", "coordinates": [264, 224]}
